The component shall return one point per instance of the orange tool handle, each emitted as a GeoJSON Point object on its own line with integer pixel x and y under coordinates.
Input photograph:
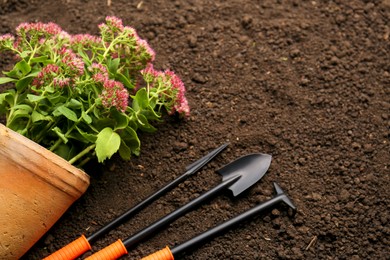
{"type": "Point", "coordinates": [163, 254]}
{"type": "Point", "coordinates": [111, 252]}
{"type": "Point", "coordinates": [72, 250]}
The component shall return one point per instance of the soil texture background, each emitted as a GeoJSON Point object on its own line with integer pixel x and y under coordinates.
{"type": "Point", "coordinates": [305, 81]}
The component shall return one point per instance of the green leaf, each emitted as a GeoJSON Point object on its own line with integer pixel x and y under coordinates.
{"type": "Point", "coordinates": [87, 136]}
{"type": "Point", "coordinates": [33, 73]}
{"type": "Point", "coordinates": [150, 114]}
{"type": "Point", "coordinates": [23, 67]}
{"type": "Point", "coordinates": [62, 110]}
{"type": "Point", "coordinates": [144, 124]}
{"type": "Point", "coordinates": [4, 80]}
{"type": "Point", "coordinates": [82, 136]}
{"type": "Point", "coordinates": [41, 59]}
{"type": "Point", "coordinates": [23, 83]}
{"type": "Point", "coordinates": [50, 89]}
{"type": "Point", "coordinates": [18, 124]}
{"type": "Point", "coordinates": [36, 116]}
{"type": "Point", "coordinates": [23, 107]}
{"type": "Point", "coordinates": [113, 65]}
{"type": "Point", "coordinates": [126, 82]}
{"type": "Point", "coordinates": [103, 123]}
{"type": "Point", "coordinates": [14, 73]}
{"type": "Point", "coordinates": [133, 125]}
{"type": "Point", "coordinates": [107, 143]}
{"type": "Point", "coordinates": [20, 113]}
{"type": "Point", "coordinates": [3, 97]}
{"type": "Point", "coordinates": [73, 103]}
{"type": "Point", "coordinates": [34, 98]}
{"type": "Point", "coordinates": [86, 117]}
{"type": "Point", "coordinates": [66, 151]}
{"type": "Point", "coordinates": [141, 100]}
{"type": "Point", "coordinates": [124, 151]}
{"type": "Point", "coordinates": [96, 112]}
{"type": "Point", "coordinates": [121, 120]}
{"type": "Point", "coordinates": [85, 57]}
{"type": "Point", "coordinates": [56, 99]}
{"type": "Point", "coordinates": [130, 137]}
{"type": "Point", "coordinates": [6, 100]}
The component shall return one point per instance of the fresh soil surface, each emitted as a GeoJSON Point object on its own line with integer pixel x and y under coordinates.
{"type": "Point", "coordinates": [305, 81]}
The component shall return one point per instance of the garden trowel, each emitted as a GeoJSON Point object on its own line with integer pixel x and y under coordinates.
{"type": "Point", "coordinates": [83, 244]}
{"type": "Point", "coordinates": [237, 176]}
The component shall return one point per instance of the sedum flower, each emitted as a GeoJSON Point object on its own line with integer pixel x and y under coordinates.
{"type": "Point", "coordinates": [46, 75]}
{"type": "Point", "coordinates": [169, 87]}
{"type": "Point", "coordinates": [38, 28]}
{"type": "Point", "coordinates": [115, 95]}
{"type": "Point", "coordinates": [71, 62]}
{"type": "Point", "coordinates": [114, 23]}
{"type": "Point", "coordinates": [61, 82]}
{"type": "Point", "coordinates": [6, 41]}
{"type": "Point", "coordinates": [85, 40]}
{"type": "Point", "coordinates": [180, 103]}
{"type": "Point", "coordinates": [71, 92]}
{"type": "Point", "coordinates": [100, 68]}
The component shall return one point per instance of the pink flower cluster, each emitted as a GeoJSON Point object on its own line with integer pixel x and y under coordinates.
{"type": "Point", "coordinates": [45, 28]}
{"type": "Point", "coordinates": [6, 41]}
{"type": "Point", "coordinates": [100, 73]}
{"type": "Point", "coordinates": [114, 25]}
{"type": "Point", "coordinates": [7, 37]}
{"type": "Point", "coordinates": [72, 62]}
{"type": "Point", "coordinates": [114, 94]}
{"type": "Point", "coordinates": [117, 41]}
{"type": "Point", "coordinates": [46, 74]}
{"type": "Point", "coordinates": [114, 22]}
{"type": "Point", "coordinates": [142, 44]}
{"type": "Point", "coordinates": [61, 82]}
{"type": "Point", "coordinates": [84, 40]}
{"type": "Point", "coordinates": [150, 73]}
{"type": "Point", "coordinates": [99, 68]}
{"type": "Point", "coordinates": [181, 103]}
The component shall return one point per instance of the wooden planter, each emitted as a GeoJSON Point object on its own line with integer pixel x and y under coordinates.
{"type": "Point", "coordinates": [36, 188]}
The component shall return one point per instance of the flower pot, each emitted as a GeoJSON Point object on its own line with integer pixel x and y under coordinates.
{"type": "Point", "coordinates": [36, 188]}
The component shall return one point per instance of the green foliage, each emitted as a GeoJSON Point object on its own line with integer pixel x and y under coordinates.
{"type": "Point", "coordinates": [71, 93]}
{"type": "Point", "coordinates": [107, 143]}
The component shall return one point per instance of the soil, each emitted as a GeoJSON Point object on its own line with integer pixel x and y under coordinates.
{"type": "Point", "coordinates": [305, 81]}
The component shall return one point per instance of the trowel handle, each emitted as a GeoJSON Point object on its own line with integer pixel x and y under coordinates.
{"type": "Point", "coordinates": [72, 250]}
{"type": "Point", "coordinates": [163, 254]}
{"type": "Point", "coordinates": [111, 252]}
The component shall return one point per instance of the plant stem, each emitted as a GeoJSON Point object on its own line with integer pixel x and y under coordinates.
{"type": "Point", "coordinates": [82, 153]}
{"type": "Point", "coordinates": [83, 162]}
{"type": "Point", "coordinates": [39, 137]}
{"type": "Point", "coordinates": [9, 119]}
{"type": "Point", "coordinates": [115, 41]}
{"type": "Point", "coordinates": [59, 141]}
{"type": "Point", "coordinates": [32, 54]}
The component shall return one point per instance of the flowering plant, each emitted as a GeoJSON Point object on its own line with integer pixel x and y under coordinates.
{"type": "Point", "coordinates": [84, 96]}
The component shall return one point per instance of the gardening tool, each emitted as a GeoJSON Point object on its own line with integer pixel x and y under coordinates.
{"type": "Point", "coordinates": [237, 176]}
{"type": "Point", "coordinates": [169, 254]}
{"type": "Point", "coordinates": [83, 244]}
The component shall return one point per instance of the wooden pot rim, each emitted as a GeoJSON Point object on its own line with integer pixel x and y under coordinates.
{"type": "Point", "coordinates": [42, 163]}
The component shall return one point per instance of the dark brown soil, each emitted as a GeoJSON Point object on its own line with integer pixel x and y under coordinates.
{"type": "Point", "coordinates": [305, 81]}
